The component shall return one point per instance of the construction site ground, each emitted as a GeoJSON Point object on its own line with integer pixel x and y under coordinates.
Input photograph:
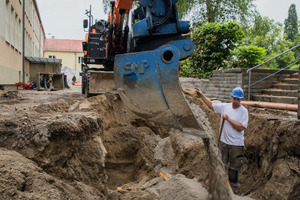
{"type": "Point", "coordinates": [58, 145]}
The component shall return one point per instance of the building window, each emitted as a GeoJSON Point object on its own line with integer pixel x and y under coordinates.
{"type": "Point", "coordinates": [12, 27]}
{"type": "Point", "coordinates": [20, 36]}
{"type": "Point", "coordinates": [16, 44]}
{"type": "Point", "coordinates": [80, 60]}
{"type": "Point", "coordinates": [51, 56]}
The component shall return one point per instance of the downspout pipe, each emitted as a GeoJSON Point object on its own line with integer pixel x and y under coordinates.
{"type": "Point", "coordinates": [23, 45]}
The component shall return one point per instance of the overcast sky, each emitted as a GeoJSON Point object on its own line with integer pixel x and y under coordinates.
{"type": "Point", "coordinates": [63, 18]}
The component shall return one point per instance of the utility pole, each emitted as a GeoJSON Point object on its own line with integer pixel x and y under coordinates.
{"type": "Point", "coordinates": [23, 39]}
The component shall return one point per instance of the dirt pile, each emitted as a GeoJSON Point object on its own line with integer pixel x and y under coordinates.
{"type": "Point", "coordinates": [21, 178]}
{"type": "Point", "coordinates": [65, 145]}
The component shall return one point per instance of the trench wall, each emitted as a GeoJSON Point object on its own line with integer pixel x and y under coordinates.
{"type": "Point", "coordinates": [222, 82]}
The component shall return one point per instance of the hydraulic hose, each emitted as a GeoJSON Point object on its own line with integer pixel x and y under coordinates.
{"type": "Point", "coordinates": [169, 4]}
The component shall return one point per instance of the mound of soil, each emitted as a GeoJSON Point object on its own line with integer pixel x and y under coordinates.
{"type": "Point", "coordinates": [21, 178]}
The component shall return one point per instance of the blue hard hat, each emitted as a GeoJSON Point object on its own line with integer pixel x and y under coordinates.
{"type": "Point", "coordinates": [237, 92]}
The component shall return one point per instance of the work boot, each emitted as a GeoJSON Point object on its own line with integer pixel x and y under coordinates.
{"type": "Point", "coordinates": [233, 179]}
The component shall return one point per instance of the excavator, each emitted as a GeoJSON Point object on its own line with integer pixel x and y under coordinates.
{"type": "Point", "coordinates": [140, 46]}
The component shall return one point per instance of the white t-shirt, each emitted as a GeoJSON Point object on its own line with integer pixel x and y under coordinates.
{"type": "Point", "coordinates": [230, 135]}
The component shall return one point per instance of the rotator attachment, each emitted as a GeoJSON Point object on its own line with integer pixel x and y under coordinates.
{"type": "Point", "coordinates": [148, 84]}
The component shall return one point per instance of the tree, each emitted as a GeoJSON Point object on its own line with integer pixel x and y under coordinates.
{"type": "Point", "coordinates": [283, 60]}
{"type": "Point", "coordinates": [74, 78]}
{"type": "Point", "coordinates": [290, 24]}
{"type": "Point", "coordinates": [216, 11]}
{"type": "Point", "coordinates": [106, 5]}
{"type": "Point", "coordinates": [268, 34]}
{"type": "Point", "coordinates": [263, 33]}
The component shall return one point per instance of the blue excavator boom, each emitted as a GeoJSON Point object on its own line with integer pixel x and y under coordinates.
{"type": "Point", "coordinates": [143, 47]}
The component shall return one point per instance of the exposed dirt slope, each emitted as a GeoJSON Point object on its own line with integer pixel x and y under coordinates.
{"type": "Point", "coordinates": [272, 150]}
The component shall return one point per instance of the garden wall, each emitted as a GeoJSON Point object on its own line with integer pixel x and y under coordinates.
{"type": "Point", "coordinates": [223, 81]}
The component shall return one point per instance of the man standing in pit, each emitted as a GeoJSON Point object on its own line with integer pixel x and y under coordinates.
{"type": "Point", "coordinates": [232, 137]}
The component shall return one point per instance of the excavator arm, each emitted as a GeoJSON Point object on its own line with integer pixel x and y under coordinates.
{"type": "Point", "coordinates": [144, 45]}
{"type": "Point", "coordinates": [146, 75]}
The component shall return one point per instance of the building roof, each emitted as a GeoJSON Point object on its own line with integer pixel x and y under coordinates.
{"type": "Point", "coordinates": [44, 60]}
{"type": "Point", "coordinates": [63, 45]}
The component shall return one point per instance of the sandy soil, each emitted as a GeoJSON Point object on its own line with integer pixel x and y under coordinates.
{"type": "Point", "coordinates": [58, 145]}
{"type": "Point", "coordinates": [271, 166]}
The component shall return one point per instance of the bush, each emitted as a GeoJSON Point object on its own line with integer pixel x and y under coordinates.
{"type": "Point", "coordinates": [248, 56]}
{"type": "Point", "coordinates": [185, 69]}
{"type": "Point", "coordinates": [213, 44]}
{"type": "Point", "coordinates": [74, 78]}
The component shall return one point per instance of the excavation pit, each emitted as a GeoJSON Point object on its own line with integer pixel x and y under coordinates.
{"type": "Point", "coordinates": [61, 146]}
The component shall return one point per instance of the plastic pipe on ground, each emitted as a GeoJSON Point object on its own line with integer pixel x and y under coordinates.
{"type": "Point", "coordinates": [279, 106]}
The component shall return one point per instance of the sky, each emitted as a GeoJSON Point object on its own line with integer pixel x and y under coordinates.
{"type": "Point", "coordinates": [63, 18]}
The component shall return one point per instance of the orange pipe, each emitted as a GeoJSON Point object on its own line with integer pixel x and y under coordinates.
{"type": "Point", "coordinates": [279, 106]}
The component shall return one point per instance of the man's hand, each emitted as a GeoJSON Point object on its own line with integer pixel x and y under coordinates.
{"type": "Point", "coordinates": [234, 124]}
{"type": "Point", "coordinates": [225, 116]}
{"type": "Point", "coordinates": [198, 92]}
{"type": "Point", "coordinates": [204, 98]}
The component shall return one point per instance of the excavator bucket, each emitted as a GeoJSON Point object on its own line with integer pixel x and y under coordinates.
{"type": "Point", "coordinates": [148, 84]}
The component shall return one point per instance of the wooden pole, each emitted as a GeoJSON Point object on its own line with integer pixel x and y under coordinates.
{"type": "Point", "coordinates": [221, 130]}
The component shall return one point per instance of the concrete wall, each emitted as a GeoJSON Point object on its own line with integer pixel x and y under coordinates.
{"type": "Point", "coordinates": [222, 82]}
{"type": "Point", "coordinates": [11, 39]}
{"type": "Point", "coordinates": [69, 59]}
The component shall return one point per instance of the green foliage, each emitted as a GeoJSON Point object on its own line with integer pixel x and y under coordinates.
{"type": "Point", "coordinates": [264, 33]}
{"type": "Point", "coordinates": [268, 34]}
{"type": "Point", "coordinates": [294, 67]}
{"type": "Point", "coordinates": [213, 44]}
{"type": "Point", "coordinates": [290, 24]}
{"type": "Point", "coordinates": [217, 11]}
{"type": "Point", "coordinates": [186, 70]}
{"type": "Point", "coordinates": [249, 56]}
{"type": "Point", "coordinates": [287, 58]}
{"type": "Point", "coordinates": [74, 78]}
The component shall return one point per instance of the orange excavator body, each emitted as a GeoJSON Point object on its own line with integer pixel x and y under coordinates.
{"type": "Point", "coordinates": [117, 19]}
